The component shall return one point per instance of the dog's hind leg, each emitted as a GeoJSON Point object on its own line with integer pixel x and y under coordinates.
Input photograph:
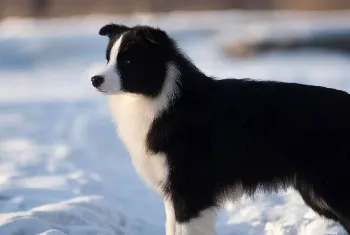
{"type": "Point", "coordinates": [317, 203]}
{"type": "Point", "coordinates": [324, 207]}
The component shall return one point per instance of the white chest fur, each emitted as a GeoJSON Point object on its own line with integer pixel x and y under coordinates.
{"type": "Point", "coordinates": [133, 115]}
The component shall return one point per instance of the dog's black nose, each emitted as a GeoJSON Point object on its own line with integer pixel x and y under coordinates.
{"type": "Point", "coordinates": [97, 81]}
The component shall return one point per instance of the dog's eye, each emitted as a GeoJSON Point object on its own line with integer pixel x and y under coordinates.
{"type": "Point", "coordinates": [127, 61]}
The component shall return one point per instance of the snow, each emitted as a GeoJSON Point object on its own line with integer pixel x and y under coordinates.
{"type": "Point", "coordinates": [63, 170]}
{"type": "Point", "coordinates": [82, 215]}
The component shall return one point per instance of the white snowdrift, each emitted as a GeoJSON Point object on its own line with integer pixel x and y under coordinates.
{"type": "Point", "coordinates": [80, 216]}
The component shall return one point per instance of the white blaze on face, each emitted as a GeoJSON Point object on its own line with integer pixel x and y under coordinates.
{"type": "Point", "coordinates": [112, 82]}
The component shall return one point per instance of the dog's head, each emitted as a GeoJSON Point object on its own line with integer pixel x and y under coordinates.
{"type": "Point", "coordinates": [138, 60]}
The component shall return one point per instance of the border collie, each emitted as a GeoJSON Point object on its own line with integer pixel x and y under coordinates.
{"type": "Point", "coordinates": [198, 140]}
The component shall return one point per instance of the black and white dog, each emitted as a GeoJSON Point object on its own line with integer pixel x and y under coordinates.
{"type": "Point", "coordinates": [198, 140]}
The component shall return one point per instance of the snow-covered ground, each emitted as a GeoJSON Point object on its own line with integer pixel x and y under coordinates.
{"type": "Point", "coordinates": [63, 170]}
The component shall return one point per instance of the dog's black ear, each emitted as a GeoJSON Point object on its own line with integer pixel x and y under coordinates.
{"type": "Point", "coordinates": [113, 29]}
{"type": "Point", "coordinates": [154, 38]}
{"type": "Point", "coordinates": [154, 35]}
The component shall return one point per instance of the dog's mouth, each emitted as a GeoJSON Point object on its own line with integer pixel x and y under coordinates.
{"type": "Point", "coordinates": [100, 89]}
{"type": "Point", "coordinates": [104, 92]}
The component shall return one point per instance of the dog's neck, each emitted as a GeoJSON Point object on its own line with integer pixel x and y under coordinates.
{"type": "Point", "coordinates": [134, 113]}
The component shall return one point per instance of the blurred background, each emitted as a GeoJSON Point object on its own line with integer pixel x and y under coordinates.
{"type": "Point", "coordinates": [61, 164]}
{"type": "Point", "coordinates": [54, 8]}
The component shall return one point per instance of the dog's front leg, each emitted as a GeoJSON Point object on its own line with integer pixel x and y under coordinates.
{"type": "Point", "coordinates": [170, 217]}
{"type": "Point", "coordinates": [202, 224]}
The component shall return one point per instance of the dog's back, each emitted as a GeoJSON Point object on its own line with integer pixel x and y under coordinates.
{"type": "Point", "coordinates": [271, 129]}
{"type": "Point", "coordinates": [284, 121]}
